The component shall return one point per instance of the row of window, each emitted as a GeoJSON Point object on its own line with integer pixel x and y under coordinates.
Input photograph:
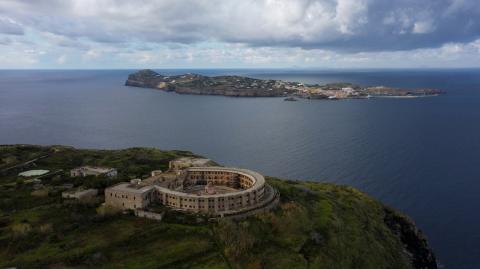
{"type": "Point", "coordinates": [121, 196]}
{"type": "Point", "coordinates": [200, 179]}
{"type": "Point", "coordinates": [220, 206]}
{"type": "Point", "coordinates": [212, 172]}
{"type": "Point", "coordinates": [208, 177]}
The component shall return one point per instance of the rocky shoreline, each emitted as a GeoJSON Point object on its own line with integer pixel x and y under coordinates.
{"type": "Point", "coordinates": [415, 244]}
{"type": "Point", "coordinates": [239, 86]}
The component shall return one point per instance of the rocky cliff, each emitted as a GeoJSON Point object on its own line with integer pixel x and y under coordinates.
{"type": "Point", "coordinates": [415, 244]}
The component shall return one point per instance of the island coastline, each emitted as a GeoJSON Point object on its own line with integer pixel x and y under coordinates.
{"type": "Point", "coordinates": [239, 86]}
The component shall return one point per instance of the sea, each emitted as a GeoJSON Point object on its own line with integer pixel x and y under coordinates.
{"type": "Point", "coordinates": [419, 155]}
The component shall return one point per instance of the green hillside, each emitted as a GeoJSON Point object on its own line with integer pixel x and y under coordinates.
{"type": "Point", "coordinates": [316, 225]}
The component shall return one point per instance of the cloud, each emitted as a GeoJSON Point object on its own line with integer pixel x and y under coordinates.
{"type": "Point", "coordinates": [10, 58]}
{"type": "Point", "coordinates": [63, 40]}
{"type": "Point", "coordinates": [5, 41]}
{"type": "Point", "coordinates": [341, 25]}
{"type": "Point", "coordinates": [10, 26]}
{"type": "Point", "coordinates": [423, 27]}
{"type": "Point", "coordinates": [92, 54]}
{"type": "Point", "coordinates": [62, 59]}
{"type": "Point", "coordinates": [231, 33]}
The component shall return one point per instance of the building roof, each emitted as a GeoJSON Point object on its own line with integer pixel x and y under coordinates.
{"type": "Point", "coordinates": [129, 187]}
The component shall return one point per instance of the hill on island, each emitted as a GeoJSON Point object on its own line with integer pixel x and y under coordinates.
{"type": "Point", "coordinates": [316, 225]}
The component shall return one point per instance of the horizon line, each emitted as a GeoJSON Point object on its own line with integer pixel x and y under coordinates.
{"type": "Point", "coordinates": [241, 68]}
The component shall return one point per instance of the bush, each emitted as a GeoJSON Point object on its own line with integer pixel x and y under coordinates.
{"type": "Point", "coordinates": [106, 210]}
{"type": "Point", "coordinates": [236, 238]}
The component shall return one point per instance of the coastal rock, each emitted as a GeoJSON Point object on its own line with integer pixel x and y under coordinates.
{"type": "Point", "coordinates": [388, 91]}
{"type": "Point", "coordinates": [415, 243]}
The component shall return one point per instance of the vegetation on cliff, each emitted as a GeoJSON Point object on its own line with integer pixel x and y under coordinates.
{"type": "Point", "coordinates": [317, 225]}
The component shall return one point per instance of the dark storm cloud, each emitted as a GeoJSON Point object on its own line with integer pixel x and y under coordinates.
{"type": "Point", "coordinates": [342, 25]}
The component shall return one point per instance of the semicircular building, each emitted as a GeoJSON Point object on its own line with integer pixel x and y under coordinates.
{"type": "Point", "coordinates": [191, 186]}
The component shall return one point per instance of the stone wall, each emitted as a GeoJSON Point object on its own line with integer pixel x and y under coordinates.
{"type": "Point", "coordinates": [128, 200]}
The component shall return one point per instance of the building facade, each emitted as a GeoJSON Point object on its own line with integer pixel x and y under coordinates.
{"type": "Point", "coordinates": [249, 186]}
{"type": "Point", "coordinates": [209, 190]}
{"type": "Point", "coordinates": [128, 196]}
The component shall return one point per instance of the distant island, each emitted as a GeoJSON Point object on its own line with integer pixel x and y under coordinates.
{"type": "Point", "coordinates": [240, 86]}
{"type": "Point", "coordinates": [53, 215]}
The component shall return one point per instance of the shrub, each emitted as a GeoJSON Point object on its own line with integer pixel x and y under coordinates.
{"type": "Point", "coordinates": [106, 210]}
{"type": "Point", "coordinates": [236, 238]}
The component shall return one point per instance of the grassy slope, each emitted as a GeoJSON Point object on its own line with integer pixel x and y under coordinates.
{"type": "Point", "coordinates": [317, 225]}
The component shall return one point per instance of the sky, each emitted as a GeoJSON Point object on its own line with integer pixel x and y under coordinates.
{"type": "Point", "coordinates": [84, 34]}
